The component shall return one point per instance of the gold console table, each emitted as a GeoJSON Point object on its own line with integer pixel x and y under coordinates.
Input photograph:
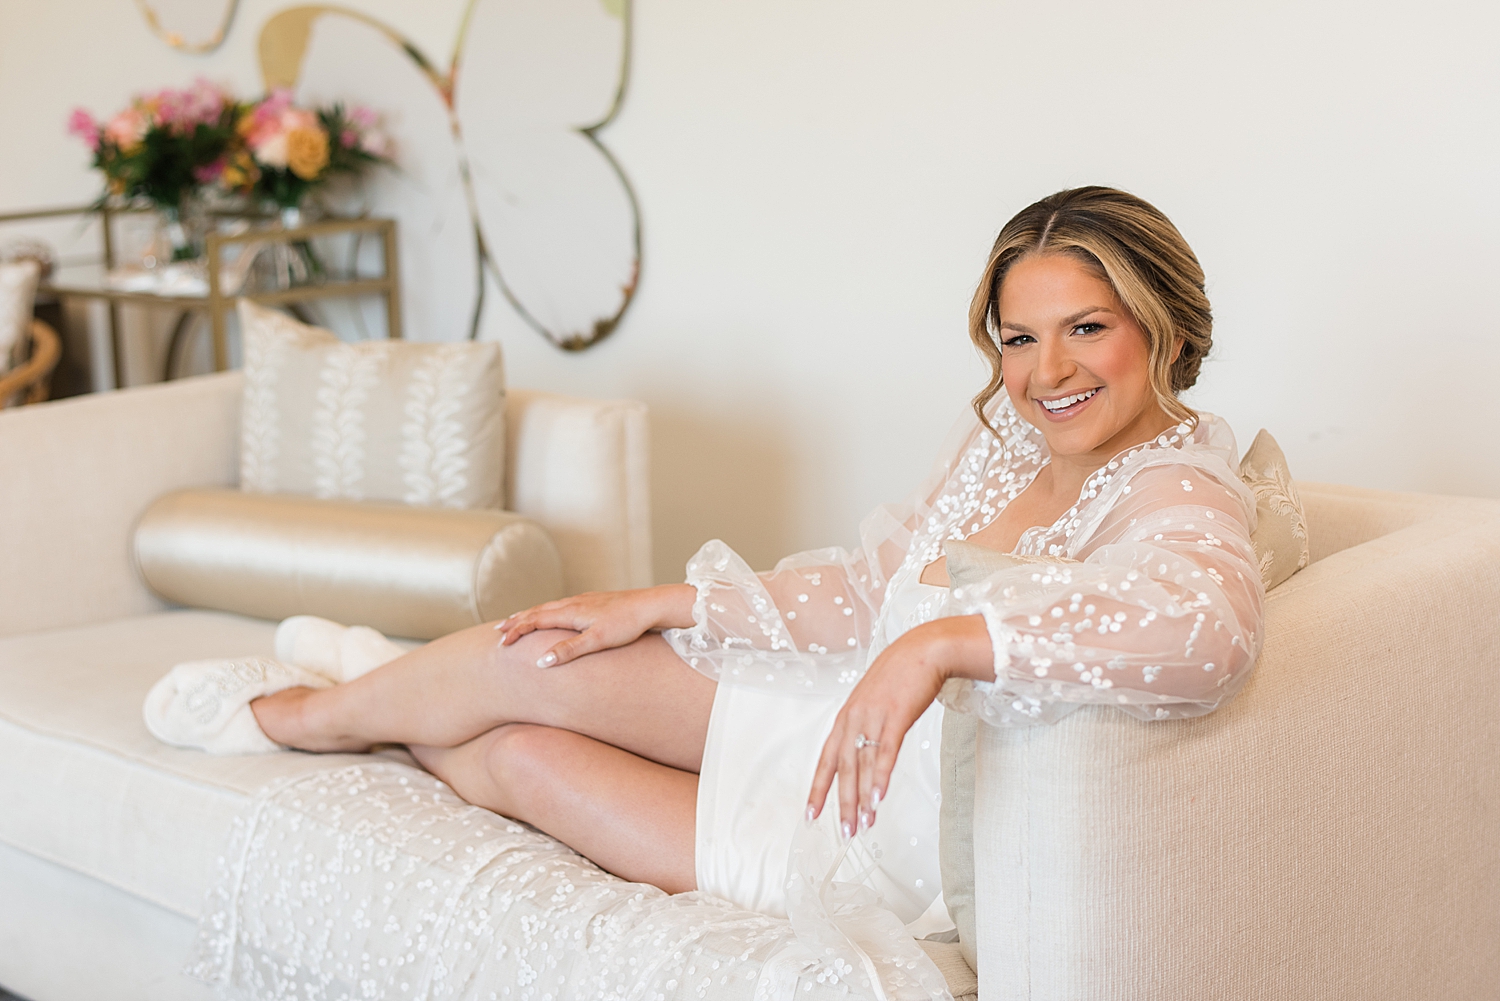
{"type": "Point", "coordinates": [93, 281]}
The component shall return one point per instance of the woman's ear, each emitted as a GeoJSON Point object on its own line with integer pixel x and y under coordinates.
{"type": "Point", "coordinates": [1177, 343]}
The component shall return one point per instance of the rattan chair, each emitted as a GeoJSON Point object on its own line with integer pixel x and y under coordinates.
{"type": "Point", "coordinates": [28, 382]}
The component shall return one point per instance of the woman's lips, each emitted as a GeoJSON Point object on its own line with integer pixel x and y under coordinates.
{"type": "Point", "coordinates": [1072, 409]}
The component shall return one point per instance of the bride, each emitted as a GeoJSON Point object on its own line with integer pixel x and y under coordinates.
{"type": "Point", "coordinates": [679, 735]}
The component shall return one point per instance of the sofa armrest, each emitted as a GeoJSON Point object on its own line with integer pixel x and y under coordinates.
{"type": "Point", "coordinates": [581, 469]}
{"type": "Point", "coordinates": [75, 475]}
{"type": "Point", "coordinates": [1334, 832]}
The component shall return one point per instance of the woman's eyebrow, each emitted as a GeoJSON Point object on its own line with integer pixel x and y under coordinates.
{"type": "Point", "coordinates": [1067, 321]}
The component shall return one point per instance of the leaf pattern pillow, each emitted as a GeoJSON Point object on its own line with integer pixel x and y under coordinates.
{"type": "Point", "coordinates": [1280, 536]}
{"type": "Point", "coordinates": [420, 424]}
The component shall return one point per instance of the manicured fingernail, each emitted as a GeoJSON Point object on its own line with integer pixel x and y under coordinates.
{"type": "Point", "coordinates": [547, 660]}
{"type": "Point", "coordinates": [846, 830]}
{"type": "Point", "coordinates": [864, 821]}
{"type": "Point", "coordinates": [812, 813]}
{"type": "Point", "coordinates": [500, 625]}
{"type": "Point", "coordinates": [875, 798]}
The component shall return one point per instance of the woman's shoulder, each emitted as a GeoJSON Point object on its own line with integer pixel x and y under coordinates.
{"type": "Point", "coordinates": [1202, 457]}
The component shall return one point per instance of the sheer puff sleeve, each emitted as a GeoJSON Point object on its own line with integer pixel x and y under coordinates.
{"type": "Point", "coordinates": [1157, 611]}
{"type": "Point", "coordinates": [804, 626]}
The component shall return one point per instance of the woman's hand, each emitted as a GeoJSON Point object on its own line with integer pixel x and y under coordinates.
{"type": "Point", "coordinates": [894, 692]}
{"type": "Point", "coordinates": [602, 619]}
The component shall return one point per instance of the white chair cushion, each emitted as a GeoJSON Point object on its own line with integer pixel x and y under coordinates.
{"type": "Point", "coordinates": [17, 292]}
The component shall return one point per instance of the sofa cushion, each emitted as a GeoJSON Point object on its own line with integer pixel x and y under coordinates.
{"type": "Point", "coordinates": [85, 786]}
{"type": "Point", "coordinates": [420, 424]}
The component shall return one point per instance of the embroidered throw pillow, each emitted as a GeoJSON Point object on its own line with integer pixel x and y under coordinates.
{"type": "Point", "coordinates": [1280, 536]}
{"type": "Point", "coordinates": [421, 424]}
{"type": "Point", "coordinates": [17, 293]}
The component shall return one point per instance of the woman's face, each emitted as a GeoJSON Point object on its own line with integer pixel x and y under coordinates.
{"type": "Point", "coordinates": [1074, 360]}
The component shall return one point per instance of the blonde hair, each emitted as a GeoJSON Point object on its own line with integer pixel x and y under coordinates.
{"type": "Point", "coordinates": [1127, 242]}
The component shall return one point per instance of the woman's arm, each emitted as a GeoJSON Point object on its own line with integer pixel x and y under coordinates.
{"type": "Point", "coordinates": [804, 626]}
{"type": "Point", "coordinates": [1161, 619]}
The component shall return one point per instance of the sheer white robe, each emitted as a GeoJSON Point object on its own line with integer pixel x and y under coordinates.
{"type": "Point", "coordinates": [1153, 605]}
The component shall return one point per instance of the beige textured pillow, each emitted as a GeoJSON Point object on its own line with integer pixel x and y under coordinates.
{"type": "Point", "coordinates": [1280, 537]}
{"type": "Point", "coordinates": [406, 571]}
{"type": "Point", "coordinates": [17, 294]}
{"type": "Point", "coordinates": [422, 424]}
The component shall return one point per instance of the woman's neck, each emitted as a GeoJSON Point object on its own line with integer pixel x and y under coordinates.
{"type": "Point", "coordinates": [1070, 472]}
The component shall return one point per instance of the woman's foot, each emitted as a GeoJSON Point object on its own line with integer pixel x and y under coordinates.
{"type": "Point", "coordinates": [339, 653]}
{"type": "Point", "coordinates": [290, 717]}
{"type": "Point", "coordinates": [205, 704]}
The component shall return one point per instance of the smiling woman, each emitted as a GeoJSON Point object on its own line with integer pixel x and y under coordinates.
{"type": "Point", "coordinates": [671, 733]}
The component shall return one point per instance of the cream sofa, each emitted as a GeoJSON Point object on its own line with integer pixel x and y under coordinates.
{"type": "Point", "coordinates": [1333, 833]}
{"type": "Point", "coordinates": [107, 837]}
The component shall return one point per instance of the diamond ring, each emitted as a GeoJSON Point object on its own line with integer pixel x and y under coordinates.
{"type": "Point", "coordinates": [861, 741]}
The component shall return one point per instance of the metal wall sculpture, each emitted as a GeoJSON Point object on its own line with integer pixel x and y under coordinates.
{"type": "Point", "coordinates": [501, 167]}
{"type": "Point", "coordinates": [195, 26]}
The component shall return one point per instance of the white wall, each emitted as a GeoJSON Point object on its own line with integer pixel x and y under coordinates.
{"type": "Point", "coordinates": [820, 179]}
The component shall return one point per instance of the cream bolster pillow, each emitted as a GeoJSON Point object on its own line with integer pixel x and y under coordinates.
{"type": "Point", "coordinates": [406, 571]}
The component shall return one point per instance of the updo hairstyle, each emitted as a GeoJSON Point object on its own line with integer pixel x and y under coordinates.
{"type": "Point", "coordinates": [1127, 242]}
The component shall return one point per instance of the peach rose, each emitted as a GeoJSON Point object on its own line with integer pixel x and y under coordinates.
{"type": "Point", "coordinates": [306, 152]}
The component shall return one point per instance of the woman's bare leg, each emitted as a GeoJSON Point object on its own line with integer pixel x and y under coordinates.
{"type": "Point", "coordinates": [641, 698]}
{"type": "Point", "coordinates": [631, 816]}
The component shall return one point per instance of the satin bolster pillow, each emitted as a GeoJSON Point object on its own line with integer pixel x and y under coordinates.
{"type": "Point", "coordinates": [406, 571]}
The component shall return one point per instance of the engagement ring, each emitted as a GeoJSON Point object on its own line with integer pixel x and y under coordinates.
{"type": "Point", "coordinates": [861, 741]}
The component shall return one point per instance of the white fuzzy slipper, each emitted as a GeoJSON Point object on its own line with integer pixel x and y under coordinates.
{"type": "Point", "coordinates": [206, 703]}
{"type": "Point", "coordinates": [362, 650]}
{"type": "Point", "coordinates": [339, 653]}
{"type": "Point", "coordinates": [312, 643]}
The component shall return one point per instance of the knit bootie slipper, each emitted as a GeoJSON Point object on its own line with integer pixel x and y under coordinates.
{"type": "Point", "coordinates": [206, 703]}
{"type": "Point", "coordinates": [339, 653]}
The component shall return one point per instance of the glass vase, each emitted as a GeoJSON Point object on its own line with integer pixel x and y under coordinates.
{"type": "Point", "coordinates": [181, 232]}
{"type": "Point", "coordinates": [294, 262]}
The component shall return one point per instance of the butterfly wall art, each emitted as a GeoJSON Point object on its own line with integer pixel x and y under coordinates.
{"type": "Point", "coordinates": [195, 26]}
{"type": "Point", "coordinates": [501, 172]}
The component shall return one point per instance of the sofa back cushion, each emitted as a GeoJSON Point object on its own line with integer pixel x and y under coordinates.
{"type": "Point", "coordinates": [422, 424]}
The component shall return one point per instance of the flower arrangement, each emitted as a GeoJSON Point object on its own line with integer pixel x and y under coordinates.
{"type": "Point", "coordinates": [285, 151]}
{"type": "Point", "coordinates": [172, 145]}
{"type": "Point", "coordinates": [161, 145]}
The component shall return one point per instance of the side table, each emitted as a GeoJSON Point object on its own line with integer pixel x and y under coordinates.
{"type": "Point", "coordinates": [100, 281]}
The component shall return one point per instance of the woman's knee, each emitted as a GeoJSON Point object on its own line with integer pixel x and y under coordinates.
{"type": "Point", "coordinates": [526, 763]}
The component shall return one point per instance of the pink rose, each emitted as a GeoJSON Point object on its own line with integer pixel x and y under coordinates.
{"type": "Point", "coordinates": [299, 118]}
{"type": "Point", "coordinates": [82, 125]}
{"type": "Point", "coordinates": [128, 128]}
{"type": "Point", "coordinates": [376, 143]}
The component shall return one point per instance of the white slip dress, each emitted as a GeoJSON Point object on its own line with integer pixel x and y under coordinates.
{"type": "Point", "coordinates": [761, 752]}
